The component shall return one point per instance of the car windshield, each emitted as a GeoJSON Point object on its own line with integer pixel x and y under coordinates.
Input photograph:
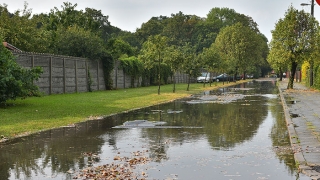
{"type": "Point", "coordinates": [204, 74]}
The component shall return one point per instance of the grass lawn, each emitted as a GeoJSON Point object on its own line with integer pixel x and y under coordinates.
{"type": "Point", "coordinates": [34, 114]}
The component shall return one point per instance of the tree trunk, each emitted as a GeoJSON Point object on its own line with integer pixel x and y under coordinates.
{"type": "Point", "coordinates": [159, 75]}
{"type": "Point", "coordinates": [174, 84]}
{"type": "Point", "coordinates": [188, 82]}
{"type": "Point", "coordinates": [293, 72]}
{"type": "Point", "coordinates": [281, 74]}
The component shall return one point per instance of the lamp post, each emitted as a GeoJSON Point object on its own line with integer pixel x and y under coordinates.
{"type": "Point", "coordinates": [311, 62]}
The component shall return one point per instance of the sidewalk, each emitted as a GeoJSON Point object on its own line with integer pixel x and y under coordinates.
{"type": "Point", "coordinates": [302, 113]}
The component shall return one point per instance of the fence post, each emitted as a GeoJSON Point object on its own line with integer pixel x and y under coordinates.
{"type": "Point", "coordinates": [50, 75]}
{"type": "Point", "coordinates": [32, 61]}
{"type": "Point", "coordinates": [64, 76]}
{"type": "Point", "coordinates": [76, 78]}
{"type": "Point", "coordinates": [87, 76]}
{"type": "Point", "coordinates": [98, 83]}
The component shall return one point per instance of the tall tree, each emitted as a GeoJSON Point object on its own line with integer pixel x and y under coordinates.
{"type": "Point", "coordinates": [191, 64]}
{"type": "Point", "coordinates": [223, 17]}
{"type": "Point", "coordinates": [151, 28]}
{"type": "Point", "coordinates": [119, 48]}
{"type": "Point", "coordinates": [211, 60]}
{"type": "Point", "coordinates": [21, 31]}
{"type": "Point", "coordinates": [293, 39]}
{"type": "Point", "coordinates": [238, 45]}
{"type": "Point", "coordinates": [75, 41]}
{"type": "Point", "coordinates": [153, 52]}
{"type": "Point", "coordinates": [277, 61]}
{"type": "Point", "coordinates": [181, 28]}
{"type": "Point", "coordinates": [174, 58]}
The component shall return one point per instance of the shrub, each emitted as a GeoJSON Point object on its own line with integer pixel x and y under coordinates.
{"type": "Point", "coordinates": [16, 81]}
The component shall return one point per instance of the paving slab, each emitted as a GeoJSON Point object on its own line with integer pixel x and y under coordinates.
{"type": "Point", "coordinates": [302, 113]}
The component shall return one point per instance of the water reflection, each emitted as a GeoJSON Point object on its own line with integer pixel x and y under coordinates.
{"type": "Point", "coordinates": [227, 137]}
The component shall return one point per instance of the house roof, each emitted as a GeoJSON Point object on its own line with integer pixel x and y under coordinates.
{"type": "Point", "coordinates": [11, 47]}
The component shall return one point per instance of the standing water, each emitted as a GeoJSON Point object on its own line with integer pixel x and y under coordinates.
{"type": "Point", "coordinates": [237, 132]}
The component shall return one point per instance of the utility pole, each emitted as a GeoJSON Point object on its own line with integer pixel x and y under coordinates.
{"type": "Point", "coordinates": [311, 61]}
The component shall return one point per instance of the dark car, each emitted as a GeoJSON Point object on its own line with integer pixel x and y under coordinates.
{"type": "Point", "coordinates": [222, 77]}
{"type": "Point", "coordinates": [225, 77]}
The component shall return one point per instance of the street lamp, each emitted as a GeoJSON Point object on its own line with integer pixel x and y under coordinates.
{"type": "Point", "coordinates": [311, 62]}
{"type": "Point", "coordinates": [312, 6]}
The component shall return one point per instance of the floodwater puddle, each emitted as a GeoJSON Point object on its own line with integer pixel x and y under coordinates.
{"type": "Point", "coordinates": [231, 133]}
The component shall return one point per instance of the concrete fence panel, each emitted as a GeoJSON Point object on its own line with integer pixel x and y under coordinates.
{"type": "Point", "coordinates": [65, 74]}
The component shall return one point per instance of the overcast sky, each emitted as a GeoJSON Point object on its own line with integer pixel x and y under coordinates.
{"type": "Point", "coordinates": [130, 14]}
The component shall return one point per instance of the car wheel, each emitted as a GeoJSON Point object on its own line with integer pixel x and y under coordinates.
{"type": "Point", "coordinates": [217, 80]}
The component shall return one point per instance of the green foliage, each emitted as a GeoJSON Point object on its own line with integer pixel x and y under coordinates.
{"type": "Point", "coordinates": [88, 33]}
{"type": "Point", "coordinates": [150, 76]}
{"type": "Point", "coordinates": [78, 42]}
{"type": "Point", "coordinates": [119, 48]}
{"type": "Point", "coordinates": [153, 52]}
{"type": "Point", "coordinates": [317, 76]}
{"type": "Point", "coordinates": [132, 39]}
{"type": "Point", "coordinates": [211, 60]}
{"type": "Point", "coordinates": [133, 67]}
{"type": "Point", "coordinates": [16, 81]}
{"type": "Point", "coordinates": [239, 46]}
{"type": "Point", "coordinates": [174, 59]}
{"type": "Point", "coordinates": [89, 82]}
{"type": "Point", "coordinates": [292, 41]}
{"type": "Point", "coordinates": [19, 30]}
{"type": "Point", "coordinates": [223, 17]}
{"type": "Point", "coordinates": [151, 28]}
{"type": "Point", "coordinates": [191, 64]}
{"type": "Point", "coordinates": [108, 66]}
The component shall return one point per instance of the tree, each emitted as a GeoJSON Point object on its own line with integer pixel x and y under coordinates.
{"type": "Point", "coordinates": [119, 48]}
{"type": "Point", "coordinates": [277, 61]}
{"type": "Point", "coordinates": [293, 40]}
{"type": "Point", "coordinates": [211, 60]}
{"type": "Point", "coordinates": [239, 46]}
{"type": "Point", "coordinates": [153, 52]}
{"type": "Point", "coordinates": [16, 81]}
{"type": "Point", "coordinates": [151, 28]}
{"type": "Point", "coordinates": [263, 66]}
{"type": "Point", "coordinates": [76, 41]}
{"type": "Point", "coordinates": [174, 58]}
{"type": "Point", "coordinates": [21, 31]}
{"type": "Point", "coordinates": [223, 17]}
{"type": "Point", "coordinates": [181, 28]}
{"type": "Point", "coordinates": [191, 64]}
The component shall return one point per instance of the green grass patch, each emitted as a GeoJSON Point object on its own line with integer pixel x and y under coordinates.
{"type": "Point", "coordinates": [41, 113]}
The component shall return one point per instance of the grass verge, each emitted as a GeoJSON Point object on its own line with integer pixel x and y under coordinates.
{"type": "Point", "coordinates": [35, 114]}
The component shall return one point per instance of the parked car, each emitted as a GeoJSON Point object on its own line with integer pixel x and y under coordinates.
{"type": "Point", "coordinates": [222, 77]}
{"type": "Point", "coordinates": [205, 77]}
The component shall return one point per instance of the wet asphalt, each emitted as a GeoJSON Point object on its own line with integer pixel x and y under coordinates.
{"type": "Point", "coordinates": [302, 113]}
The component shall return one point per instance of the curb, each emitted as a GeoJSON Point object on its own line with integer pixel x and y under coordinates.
{"type": "Point", "coordinates": [301, 162]}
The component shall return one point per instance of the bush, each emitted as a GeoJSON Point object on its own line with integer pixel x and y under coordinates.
{"type": "Point", "coordinates": [16, 81]}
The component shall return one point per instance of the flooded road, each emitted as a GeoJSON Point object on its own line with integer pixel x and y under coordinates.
{"type": "Point", "coordinates": [232, 133]}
